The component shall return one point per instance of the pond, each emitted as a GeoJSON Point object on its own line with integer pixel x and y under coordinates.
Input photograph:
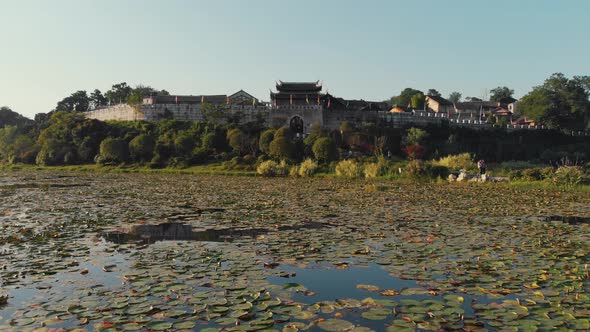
{"type": "Point", "coordinates": [154, 252]}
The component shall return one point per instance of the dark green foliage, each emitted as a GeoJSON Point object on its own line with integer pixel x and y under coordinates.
{"type": "Point", "coordinates": [405, 97]}
{"type": "Point", "coordinates": [10, 118]}
{"type": "Point", "coordinates": [559, 103]}
{"type": "Point", "coordinates": [141, 148]}
{"type": "Point", "coordinates": [113, 150]}
{"type": "Point", "coordinates": [280, 148]}
{"type": "Point", "coordinates": [501, 93]}
{"type": "Point", "coordinates": [325, 150]}
{"type": "Point", "coordinates": [265, 138]}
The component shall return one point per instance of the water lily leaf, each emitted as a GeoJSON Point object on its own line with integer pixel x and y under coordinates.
{"type": "Point", "coordinates": [159, 325]}
{"type": "Point", "coordinates": [335, 325]}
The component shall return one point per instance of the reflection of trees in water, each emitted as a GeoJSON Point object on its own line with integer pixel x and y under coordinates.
{"type": "Point", "coordinates": [176, 231]}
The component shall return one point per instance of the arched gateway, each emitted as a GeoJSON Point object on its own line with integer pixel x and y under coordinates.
{"type": "Point", "coordinates": [296, 124]}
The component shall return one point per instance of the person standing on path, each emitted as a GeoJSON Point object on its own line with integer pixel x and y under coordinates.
{"type": "Point", "coordinates": [481, 165]}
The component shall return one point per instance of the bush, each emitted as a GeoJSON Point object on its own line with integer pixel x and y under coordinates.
{"type": "Point", "coordinates": [532, 174]}
{"type": "Point", "coordinates": [568, 176]}
{"type": "Point", "coordinates": [265, 138]}
{"type": "Point", "coordinates": [113, 150]}
{"type": "Point", "coordinates": [456, 162]}
{"type": "Point", "coordinates": [280, 148]}
{"type": "Point", "coordinates": [272, 168]}
{"type": "Point", "coordinates": [436, 171]}
{"type": "Point", "coordinates": [348, 168]}
{"type": "Point", "coordinates": [414, 151]}
{"type": "Point", "coordinates": [142, 147]}
{"type": "Point", "coordinates": [324, 149]}
{"type": "Point", "coordinates": [372, 170]}
{"type": "Point", "coordinates": [415, 169]}
{"type": "Point", "coordinates": [307, 168]}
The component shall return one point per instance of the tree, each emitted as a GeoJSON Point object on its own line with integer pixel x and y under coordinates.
{"type": "Point", "coordinates": [559, 103]}
{"type": "Point", "coordinates": [280, 148]}
{"type": "Point", "coordinates": [416, 136]}
{"type": "Point", "coordinates": [405, 97]}
{"type": "Point", "coordinates": [265, 138]}
{"type": "Point", "coordinates": [237, 140]}
{"type": "Point", "coordinates": [141, 148]}
{"type": "Point", "coordinates": [113, 150]}
{"type": "Point", "coordinates": [455, 97]}
{"type": "Point", "coordinates": [77, 101]}
{"type": "Point", "coordinates": [324, 149]}
{"type": "Point", "coordinates": [97, 99]}
{"type": "Point", "coordinates": [433, 92]}
{"type": "Point", "coordinates": [15, 146]}
{"type": "Point", "coordinates": [212, 113]}
{"type": "Point", "coordinates": [118, 93]}
{"type": "Point", "coordinates": [501, 92]}
{"type": "Point", "coordinates": [417, 101]}
{"type": "Point", "coordinates": [10, 118]}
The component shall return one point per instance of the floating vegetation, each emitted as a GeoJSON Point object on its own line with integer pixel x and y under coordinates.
{"type": "Point", "coordinates": [120, 252]}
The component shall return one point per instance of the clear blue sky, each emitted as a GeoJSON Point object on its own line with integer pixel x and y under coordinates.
{"type": "Point", "coordinates": [360, 49]}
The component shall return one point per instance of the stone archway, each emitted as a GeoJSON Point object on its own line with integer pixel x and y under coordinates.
{"type": "Point", "coordinates": [296, 125]}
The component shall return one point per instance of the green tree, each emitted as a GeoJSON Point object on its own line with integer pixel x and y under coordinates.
{"type": "Point", "coordinates": [405, 97]}
{"type": "Point", "coordinates": [280, 148]}
{"type": "Point", "coordinates": [417, 101]}
{"type": "Point", "coordinates": [416, 136]}
{"type": "Point", "coordinates": [97, 99]}
{"type": "Point", "coordinates": [212, 113]}
{"type": "Point", "coordinates": [501, 92]}
{"type": "Point", "coordinates": [113, 150]}
{"type": "Point", "coordinates": [141, 148]}
{"type": "Point", "coordinates": [237, 140]}
{"type": "Point", "coordinates": [265, 138]}
{"type": "Point", "coordinates": [558, 103]}
{"type": "Point", "coordinates": [324, 149]}
{"type": "Point", "coordinates": [433, 92]}
{"type": "Point", "coordinates": [15, 146]}
{"type": "Point", "coordinates": [10, 118]}
{"type": "Point", "coordinates": [77, 101]}
{"type": "Point", "coordinates": [118, 93]}
{"type": "Point", "coordinates": [455, 97]}
{"type": "Point", "coordinates": [184, 143]}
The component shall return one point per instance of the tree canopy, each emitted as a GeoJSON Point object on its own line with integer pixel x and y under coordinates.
{"type": "Point", "coordinates": [560, 102]}
{"type": "Point", "coordinates": [500, 93]}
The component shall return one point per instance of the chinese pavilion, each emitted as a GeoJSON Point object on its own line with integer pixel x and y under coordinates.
{"type": "Point", "coordinates": [296, 94]}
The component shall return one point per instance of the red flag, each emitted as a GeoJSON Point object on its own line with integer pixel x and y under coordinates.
{"type": "Point", "coordinates": [176, 99]}
{"type": "Point", "coordinates": [202, 99]}
{"type": "Point", "coordinates": [227, 101]}
{"type": "Point", "coordinates": [276, 106]}
{"type": "Point", "coordinates": [329, 102]}
{"type": "Point", "coordinates": [151, 99]}
{"type": "Point", "coordinates": [291, 99]}
{"type": "Point", "coordinates": [318, 99]}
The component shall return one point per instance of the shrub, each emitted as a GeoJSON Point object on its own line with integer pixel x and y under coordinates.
{"type": "Point", "coordinates": [372, 170]}
{"type": "Point", "coordinates": [272, 168]}
{"type": "Point", "coordinates": [114, 150]}
{"type": "Point", "coordinates": [436, 171]}
{"type": "Point", "coordinates": [415, 169]}
{"type": "Point", "coordinates": [532, 174]}
{"type": "Point", "coordinates": [456, 162]}
{"type": "Point", "coordinates": [414, 151]}
{"type": "Point", "coordinates": [142, 147]}
{"type": "Point", "coordinates": [307, 168]}
{"type": "Point", "coordinates": [416, 136]}
{"type": "Point", "coordinates": [280, 148]}
{"type": "Point", "coordinates": [265, 138]}
{"type": "Point", "coordinates": [348, 168]}
{"type": "Point", "coordinates": [324, 149]}
{"type": "Point", "coordinates": [568, 176]}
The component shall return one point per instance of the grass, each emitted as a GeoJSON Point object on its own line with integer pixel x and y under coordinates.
{"type": "Point", "coordinates": [218, 169]}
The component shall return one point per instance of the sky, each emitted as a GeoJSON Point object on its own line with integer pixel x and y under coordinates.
{"type": "Point", "coordinates": [369, 49]}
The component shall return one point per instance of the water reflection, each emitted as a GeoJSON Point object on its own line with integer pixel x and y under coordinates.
{"type": "Point", "coordinates": [170, 231]}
